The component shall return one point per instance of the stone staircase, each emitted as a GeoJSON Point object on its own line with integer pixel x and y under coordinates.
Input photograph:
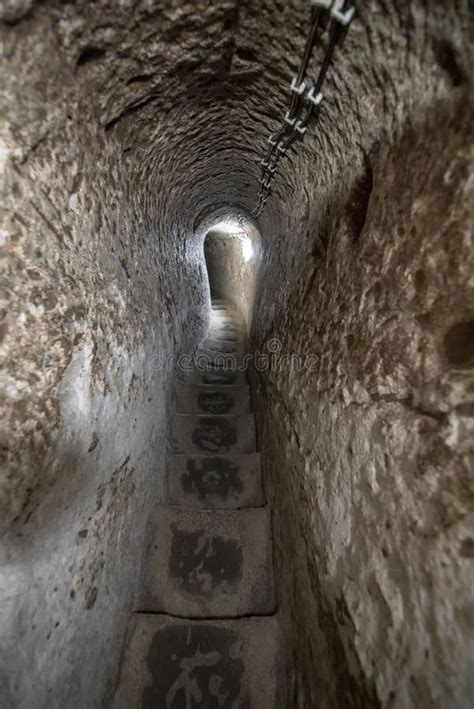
{"type": "Point", "coordinates": [207, 634]}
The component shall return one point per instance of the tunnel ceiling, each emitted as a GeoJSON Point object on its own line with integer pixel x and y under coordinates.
{"type": "Point", "coordinates": [192, 90]}
{"type": "Point", "coordinates": [185, 88]}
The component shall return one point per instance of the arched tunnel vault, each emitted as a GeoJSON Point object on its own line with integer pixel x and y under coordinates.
{"type": "Point", "coordinates": [122, 125]}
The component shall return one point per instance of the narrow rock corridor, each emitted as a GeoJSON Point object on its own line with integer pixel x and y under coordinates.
{"type": "Point", "coordinates": [292, 179]}
{"type": "Point", "coordinates": [210, 563]}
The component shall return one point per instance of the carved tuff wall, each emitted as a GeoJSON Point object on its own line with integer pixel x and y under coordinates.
{"type": "Point", "coordinates": [122, 123]}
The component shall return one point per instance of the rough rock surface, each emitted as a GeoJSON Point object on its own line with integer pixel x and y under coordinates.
{"type": "Point", "coordinates": [369, 446]}
{"type": "Point", "coordinates": [123, 126]}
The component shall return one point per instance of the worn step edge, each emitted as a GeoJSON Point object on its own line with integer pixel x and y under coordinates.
{"type": "Point", "coordinates": [185, 540]}
{"type": "Point", "coordinates": [226, 399]}
{"type": "Point", "coordinates": [233, 433]}
{"type": "Point", "coordinates": [148, 659]}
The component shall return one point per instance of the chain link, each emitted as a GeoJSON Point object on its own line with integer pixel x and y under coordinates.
{"type": "Point", "coordinates": [339, 13]}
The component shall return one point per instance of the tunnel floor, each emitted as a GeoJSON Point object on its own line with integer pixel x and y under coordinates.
{"type": "Point", "coordinates": [207, 633]}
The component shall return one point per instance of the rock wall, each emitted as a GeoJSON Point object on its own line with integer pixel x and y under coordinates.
{"type": "Point", "coordinates": [99, 289]}
{"type": "Point", "coordinates": [367, 280]}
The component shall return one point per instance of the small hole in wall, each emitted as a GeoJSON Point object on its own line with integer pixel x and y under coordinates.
{"type": "Point", "coordinates": [447, 59]}
{"type": "Point", "coordinates": [246, 54]}
{"type": "Point", "coordinates": [459, 344]}
{"type": "Point", "coordinates": [466, 548]}
{"type": "Point", "coordinates": [90, 54]}
{"type": "Point", "coordinates": [420, 280]}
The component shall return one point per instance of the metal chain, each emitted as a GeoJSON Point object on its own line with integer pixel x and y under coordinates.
{"type": "Point", "coordinates": [297, 118]}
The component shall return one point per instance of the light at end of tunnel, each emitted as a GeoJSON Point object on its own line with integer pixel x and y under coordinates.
{"type": "Point", "coordinates": [231, 227]}
{"type": "Point", "coordinates": [247, 248]}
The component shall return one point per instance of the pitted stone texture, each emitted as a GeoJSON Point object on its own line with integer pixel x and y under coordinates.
{"type": "Point", "coordinates": [215, 482]}
{"type": "Point", "coordinates": [204, 399]}
{"type": "Point", "coordinates": [210, 563]}
{"type": "Point", "coordinates": [212, 664]}
{"type": "Point", "coordinates": [213, 434]}
{"type": "Point", "coordinates": [86, 305]}
{"type": "Point", "coordinates": [375, 433]}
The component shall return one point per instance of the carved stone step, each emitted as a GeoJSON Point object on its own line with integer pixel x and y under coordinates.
{"type": "Point", "coordinates": [232, 361]}
{"type": "Point", "coordinates": [216, 376]}
{"type": "Point", "coordinates": [236, 326]}
{"type": "Point", "coordinates": [221, 315]}
{"type": "Point", "coordinates": [224, 310]}
{"type": "Point", "coordinates": [215, 482]}
{"type": "Point", "coordinates": [226, 360]}
{"type": "Point", "coordinates": [217, 304]}
{"type": "Point", "coordinates": [169, 663]}
{"type": "Point", "coordinates": [224, 347]}
{"type": "Point", "coordinates": [225, 318]}
{"type": "Point", "coordinates": [227, 337]}
{"type": "Point", "coordinates": [213, 434]}
{"type": "Point", "coordinates": [209, 564]}
{"type": "Point", "coordinates": [229, 326]}
{"type": "Point", "coordinates": [202, 399]}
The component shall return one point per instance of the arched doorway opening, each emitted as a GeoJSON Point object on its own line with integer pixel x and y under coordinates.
{"type": "Point", "coordinates": [232, 246]}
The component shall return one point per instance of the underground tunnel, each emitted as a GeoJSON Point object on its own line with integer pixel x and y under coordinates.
{"type": "Point", "coordinates": [292, 529]}
{"type": "Point", "coordinates": [232, 247]}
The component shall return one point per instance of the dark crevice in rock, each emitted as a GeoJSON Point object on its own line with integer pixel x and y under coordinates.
{"type": "Point", "coordinates": [459, 344]}
{"type": "Point", "coordinates": [448, 59]}
{"type": "Point", "coordinates": [89, 55]}
{"type": "Point", "coordinates": [358, 202]}
{"type": "Point", "coordinates": [140, 79]}
{"type": "Point", "coordinates": [130, 110]}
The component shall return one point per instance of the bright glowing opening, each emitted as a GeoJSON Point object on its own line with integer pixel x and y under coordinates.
{"type": "Point", "coordinates": [247, 248]}
{"type": "Point", "coordinates": [234, 228]}
{"type": "Point", "coordinates": [229, 227]}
